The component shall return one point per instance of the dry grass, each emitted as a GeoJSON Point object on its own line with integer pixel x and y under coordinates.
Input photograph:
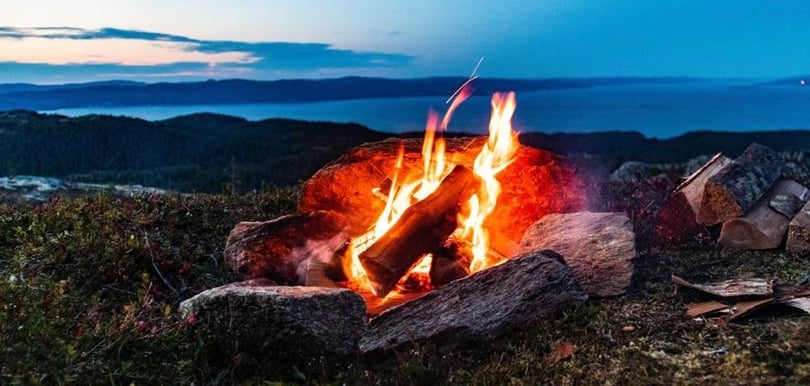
{"type": "Point", "coordinates": [89, 289]}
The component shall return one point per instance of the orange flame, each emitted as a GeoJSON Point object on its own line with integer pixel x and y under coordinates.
{"type": "Point", "coordinates": [404, 193]}
{"type": "Point", "coordinates": [496, 155]}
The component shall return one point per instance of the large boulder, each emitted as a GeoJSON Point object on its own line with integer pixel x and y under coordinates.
{"type": "Point", "coordinates": [535, 184]}
{"type": "Point", "coordinates": [599, 247]}
{"type": "Point", "coordinates": [280, 249]}
{"type": "Point", "coordinates": [523, 290]}
{"type": "Point", "coordinates": [296, 323]}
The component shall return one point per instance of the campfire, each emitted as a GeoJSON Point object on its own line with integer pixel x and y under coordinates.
{"type": "Point", "coordinates": [441, 210]}
{"type": "Point", "coordinates": [396, 219]}
{"type": "Point", "coordinates": [455, 239]}
{"type": "Point", "coordinates": [462, 239]}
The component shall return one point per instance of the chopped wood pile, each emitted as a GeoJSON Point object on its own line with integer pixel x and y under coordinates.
{"type": "Point", "coordinates": [746, 198]}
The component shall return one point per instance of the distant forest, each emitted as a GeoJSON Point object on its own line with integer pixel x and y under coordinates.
{"type": "Point", "coordinates": [194, 153]}
{"type": "Point", "coordinates": [212, 153]}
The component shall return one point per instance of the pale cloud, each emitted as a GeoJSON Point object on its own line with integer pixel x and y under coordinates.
{"type": "Point", "coordinates": [126, 52]}
{"type": "Point", "coordinates": [48, 52]}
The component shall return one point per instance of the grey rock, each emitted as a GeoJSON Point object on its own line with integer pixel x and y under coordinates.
{"type": "Point", "coordinates": [278, 321]}
{"type": "Point", "coordinates": [599, 247]}
{"type": "Point", "coordinates": [281, 249]}
{"type": "Point", "coordinates": [521, 291]}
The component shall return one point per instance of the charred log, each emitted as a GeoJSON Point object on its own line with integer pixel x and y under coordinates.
{"type": "Point", "coordinates": [450, 262]}
{"type": "Point", "coordinates": [422, 228]}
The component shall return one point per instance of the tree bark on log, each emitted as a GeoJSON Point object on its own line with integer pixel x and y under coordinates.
{"type": "Point", "coordinates": [764, 227]}
{"type": "Point", "coordinates": [731, 288]}
{"type": "Point", "coordinates": [599, 247]}
{"type": "Point", "coordinates": [677, 219]}
{"type": "Point", "coordinates": [733, 190]}
{"type": "Point", "coordinates": [484, 305]}
{"type": "Point", "coordinates": [798, 239]}
{"type": "Point", "coordinates": [422, 229]}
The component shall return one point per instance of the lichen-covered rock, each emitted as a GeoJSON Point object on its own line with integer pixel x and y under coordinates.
{"type": "Point", "coordinates": [599, 247]}
{"type": "Point", "coordinates": [278, 249]}
{"type": "Point", "coordinates": [278, 321]}
{"type": "Point", "coordinates": [535, 184]}
{"type": "Point", "coordinates": [482, 306]}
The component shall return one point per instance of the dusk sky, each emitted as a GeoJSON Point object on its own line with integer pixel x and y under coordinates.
{"type": "Point", "coordinates": [160, 40]}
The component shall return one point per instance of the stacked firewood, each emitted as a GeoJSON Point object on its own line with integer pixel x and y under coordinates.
{"type": "Point", "coordinates": [747, 199]}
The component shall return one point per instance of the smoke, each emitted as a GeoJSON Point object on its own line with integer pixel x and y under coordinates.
{"type": "Point", "coordinates": [319, 254]}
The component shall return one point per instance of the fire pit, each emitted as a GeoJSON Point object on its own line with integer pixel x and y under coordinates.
{"type": "Point", "coordinates": [439, 236]}
{"type": "Point", "coordinates": [418, 213]}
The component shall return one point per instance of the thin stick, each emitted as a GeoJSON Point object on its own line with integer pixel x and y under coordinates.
{"type": "Point", "coordinates": [472, 77]}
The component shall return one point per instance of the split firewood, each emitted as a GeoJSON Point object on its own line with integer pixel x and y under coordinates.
{"type": "Point", "coordinates": [422, 228]}
{"type": "Point", "coordinates": [793, 296]}
{"type": "Point", "coordinates": [677, 220]}
{"type": "Point", "coordinates": [738, 185]}
{"type": "Point", "coordinates": [731, 288]}
{"type": "Point", "coordinates": [745, 307]}
{"type": "Point", "coordinates": [698, 309]}
{"type": "Point", "coordinates": [316, 276]}
{"type": "Point", "coordinates": [764, 227]}
{"type": "Point", "coordinates": [798, 239]}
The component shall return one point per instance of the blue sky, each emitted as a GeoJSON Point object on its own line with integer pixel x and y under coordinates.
{"type": "Point", "coordinates": [161, 40]}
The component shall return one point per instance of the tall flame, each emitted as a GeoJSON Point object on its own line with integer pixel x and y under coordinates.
{"type": "Point", "coordinates": [405, 191]}
{"type": "Point", "coordinates": [495, 156]}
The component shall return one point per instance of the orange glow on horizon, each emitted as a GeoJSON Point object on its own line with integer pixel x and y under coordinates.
{"type": "Point", "coordinates": [130, 52]}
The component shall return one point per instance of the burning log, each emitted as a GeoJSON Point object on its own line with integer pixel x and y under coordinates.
{"type": "Point", "coordinates": [450, 262]}
{"type": "Point", "coordinates": [764, 226]}
{"type": "Point", "coordinates": [534, 184]}
{"type": "Point", "coordinates": [422, 228]}
{"type": "Point", "coordinates": [798, 239]}
{"type": "Point", "coordinates": [738, 185]}
{"type": "Point", "coordinates": [677, 220]}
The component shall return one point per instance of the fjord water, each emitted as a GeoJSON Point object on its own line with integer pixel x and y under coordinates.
{"type": "Point", "coordinates": [655, 110]}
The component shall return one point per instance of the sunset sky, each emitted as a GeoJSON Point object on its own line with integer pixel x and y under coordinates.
{"type": "Point", "coordinates": [161, 40]}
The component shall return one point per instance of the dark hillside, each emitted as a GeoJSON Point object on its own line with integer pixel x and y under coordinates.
{"type": "Point", "coordinates": [200, 152]}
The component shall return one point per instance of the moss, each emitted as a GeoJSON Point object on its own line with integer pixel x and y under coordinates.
{"type": "Point", "coordinates": [89, 289]}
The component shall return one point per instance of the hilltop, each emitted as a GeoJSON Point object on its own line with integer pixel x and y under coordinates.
{"type": "Point", "coordinates": [242, 91]}
{"type": "Point", "coordinates": [212, 153]}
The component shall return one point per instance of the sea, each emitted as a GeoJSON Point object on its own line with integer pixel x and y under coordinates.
{"type": "Point", "coordinates": [655, 110]}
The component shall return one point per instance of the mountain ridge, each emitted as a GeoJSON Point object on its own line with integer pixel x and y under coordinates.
{"type": "Point", "coordinates": [117, 93]}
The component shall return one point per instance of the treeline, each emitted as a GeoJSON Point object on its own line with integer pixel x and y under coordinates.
{"type": "Point", "coordinates": [194, 153]}
{"type": "Point", "coordinates": [213, 153]}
